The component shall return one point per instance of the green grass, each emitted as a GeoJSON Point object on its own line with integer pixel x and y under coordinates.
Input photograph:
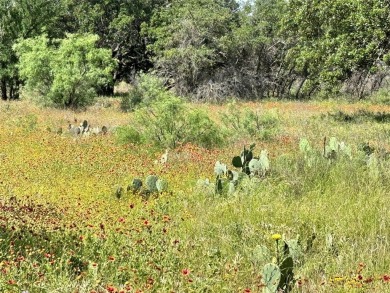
{"type": "Point", "coordinates": [63, 230]}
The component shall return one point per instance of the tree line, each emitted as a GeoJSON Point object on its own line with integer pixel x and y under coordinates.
{"type": "Point", "coordinates": [202, 49]}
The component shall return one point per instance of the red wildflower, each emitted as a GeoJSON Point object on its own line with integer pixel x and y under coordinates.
{"type": "Point", "coordinates": [185, 272]}
{"type": "Point", "coordinates": [386, 278]}
{"type": "Point", "coordinates": [368, 280]}
{"type": "Point", "coordinates": [247, 290]}
{"type": "Point", "coordinates": [111, 289]}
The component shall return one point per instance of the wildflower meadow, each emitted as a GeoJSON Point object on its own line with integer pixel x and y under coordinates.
{"type": "Point", "coordinates": [78, 213]}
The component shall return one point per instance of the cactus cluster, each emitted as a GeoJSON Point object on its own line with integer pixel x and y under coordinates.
{"type": "Point", "coordinates": [278, 276]}
{"type": "Point", "coordinates": [334, 149]}
{"type": "Point", "coordinates": [85, 129]}
{"type": "Point", "coordinates": [250, 166]}
{"type": "Point", "coordinates": [151, 185]}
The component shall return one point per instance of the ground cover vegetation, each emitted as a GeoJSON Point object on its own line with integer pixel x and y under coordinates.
{"type": "Point", "coordinates": [153, 191]}
{"type": "Point", "coordinates": [85, 213]}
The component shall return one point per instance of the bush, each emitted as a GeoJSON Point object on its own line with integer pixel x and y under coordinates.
{"type": "Point", "coordinates": [246, 122]}
{"type": "Point", "coordinates": [64, 72]}
{"type": "Point", "coordinates": [146, 90]}
{"type": "Point", "coordinates": [128, 134]}
{"type": "Point", "coordinates": [169, 122]}
{"type": "Point", "coordinates": [202, 130]}
{"type": "Point", "coordinates": [164, 119]}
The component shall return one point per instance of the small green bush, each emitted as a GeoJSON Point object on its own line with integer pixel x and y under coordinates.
{"type": "Point", "coordinates": [128, 134]}
{"type": "Point", "coordinates": [147, 89]}
{"type": "Point", "coordinates": [169, 122]}
{"type": "Point", "coordinates": [131, 100]}
{"type": "Point", "coordinates": [165, 120]}
{"type": "Point", "coordinates": [247, 122]}
{"type": "Point", "coordinates": [202, 130]}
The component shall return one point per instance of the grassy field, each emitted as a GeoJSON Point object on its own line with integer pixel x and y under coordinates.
{"type": "Point", "coordinates": [62, 229]}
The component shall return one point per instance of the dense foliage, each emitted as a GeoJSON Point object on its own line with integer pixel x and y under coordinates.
{"type": "Point", "coordinates": [67, 72]}
{"type": "Point", "coordinates": [213, 50]}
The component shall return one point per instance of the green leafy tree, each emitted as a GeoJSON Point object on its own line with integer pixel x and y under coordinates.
{"type": "Point", "coordinates": [254, 50]}
{"type": "Point", "coordinates": [65, 72]}
{"type": "Point", "coordinates": [218, 49]}
{"type": "Point", "coordinates": [331, 41]}
{"type": "Point", "coordinates": [118, 24]}
{"type": "Point", "coordinates": [21, 19]}
{"type": "Point", "coordinates": [187, 41]}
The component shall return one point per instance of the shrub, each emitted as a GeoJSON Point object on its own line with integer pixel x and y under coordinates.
{"type": "Point", "coordinates": [146, 90]}
{"type": "Point", "coordinates": [247, 122]}
{"type": "Point", "coordinates": [64, 72]}
{"type": "Point", "coordinates": [128, 134]}
{"type": "Point", "coordinates": [166, 121]}
{"type": "Point", "coordinates": [202, 130]}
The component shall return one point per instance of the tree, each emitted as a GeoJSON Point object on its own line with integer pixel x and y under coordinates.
{"type": "Point", "coordinates": [254, 51]}
{"type": "Point", "coordinates": [332, 41]}
{"type": "Point", "coordinates": [65, 72]}
{"type": "Point", "coordinates": [21, 19]}
{"type": "Point", "coordinates": [118, 25]}
{"type": "Point", "coordinates": [217, 49]}
{"type": "Point", "coordinates": [187, 41]}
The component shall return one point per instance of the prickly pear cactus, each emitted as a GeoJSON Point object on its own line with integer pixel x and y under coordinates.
{"type": "Point", "coordinates": [255, 167]}
{"type": "Point", "coordinates": [220, 169]}
{"type": "Point", "coordinates": [231, 187]}
{"type": "Point", "coordinates": [271, 277]}
{"type": "Point", "coordinates": [204, 186]}
{"type": "Point", "coordinates": [243, 160]}
{"type": "Point", "coordinates": [304, 146]}
{"type": "Point", "coordinates": [260, 166]}
{"type": "Point", "coordinates": [162, 185]}
{"type": "Point", "coordinates": [118, 192]}
{"type": "Point", "coordinates": [295, 249]}
{"type": "Point", "coordinates": [135, 185]}
{"type": "Point", "coordinates": [260, 255]}
{"type": "Point", "coordinates": [218, 185]}
{"type": "Point", "coordinates": [334, 149]}
{"type": "Point", "coordinates": [287, 274]}
{"type": "Point", "coordinates": [264, 161]}
{"type": "Point", "coordinates": [150, 183]}
{"type": "Point", "coordinates": [309, 155]}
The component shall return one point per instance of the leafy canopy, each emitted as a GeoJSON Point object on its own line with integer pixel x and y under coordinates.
{"type": "Point", "coordinates": [64, 72]}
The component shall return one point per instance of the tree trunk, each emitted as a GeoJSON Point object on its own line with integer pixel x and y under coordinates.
{"type": "Point", "coordinates": [3, 88]}
{"type": "Point", "coordinates": [299, 88]}
{"type": "Point", "coordinates": [14, 89]}
{"type": "Point", "coordinates": [107, 90]}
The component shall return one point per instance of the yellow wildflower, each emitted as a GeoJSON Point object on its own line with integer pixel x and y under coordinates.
{"type": "Point", "coordinates": [276, 237]}
{"type": "Point", "coordinates": [338, 279]}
